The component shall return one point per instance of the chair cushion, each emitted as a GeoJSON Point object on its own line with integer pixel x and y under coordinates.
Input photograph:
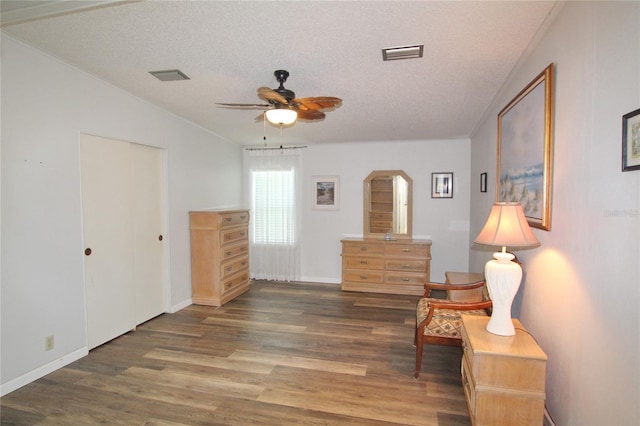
{"type": "Point", "coordinates": [445, 322]}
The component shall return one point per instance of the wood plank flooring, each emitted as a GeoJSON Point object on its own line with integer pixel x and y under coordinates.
{"type": "Point", "coordinates": [281, 354]}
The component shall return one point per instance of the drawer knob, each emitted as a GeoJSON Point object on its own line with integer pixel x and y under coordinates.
{"type": "Point", "coordinates": [243, 217]}
{"type": "Point", "coordinates": [405, 279]}
{"type": "Point", "coordinates": [364, 262]}
{"type": "Point", "coordinates": [228, 253]}
{"type": "Point", "coordinates": [363, 248]}
{"type": "Point", "coordinates": [406, 250]}
{"type": "Point", "coordinates": [364, 277]}
{"type": "Point", "coordinates": [406, 266]}
{"type": "Point", "coordinates": [228, 219]}
{"type": "Point", "coordinates": [242, 233]}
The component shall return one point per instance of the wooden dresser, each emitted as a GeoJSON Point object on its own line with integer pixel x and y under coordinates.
{"type": "Point", "coordinates": [380, 266]}
{"type": "Point", "coordinates": [503, 376]}
{"type": "Point", "coordinates": [219, 255]}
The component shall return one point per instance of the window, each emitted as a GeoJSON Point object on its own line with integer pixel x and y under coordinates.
{"type": "Point", "coordinates": [272, 179]}
{"type": "Point", "coordinates": [273, 201]}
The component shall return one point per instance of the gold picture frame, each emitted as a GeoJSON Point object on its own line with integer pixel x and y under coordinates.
{"type": "Point", "coordinates": [525, 150]}
{"type": "Point", "coordinates": [631, 141]}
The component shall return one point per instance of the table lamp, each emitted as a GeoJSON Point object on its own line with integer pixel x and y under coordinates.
{"type": "Point", "coordinates": [506, 226]}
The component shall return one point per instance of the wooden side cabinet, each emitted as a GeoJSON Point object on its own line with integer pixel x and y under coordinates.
{"type": "Point", "coordinates": [219, 255]}
{"type": "Point", "coordinates": [380, 266]}
{"type": "Point", "coordinates": [503, 376]}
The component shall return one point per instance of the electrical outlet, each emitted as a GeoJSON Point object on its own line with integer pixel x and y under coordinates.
{"type": "Point", "coordinates": [48, 343]}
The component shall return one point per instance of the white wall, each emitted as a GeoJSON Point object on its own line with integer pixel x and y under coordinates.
{"type": "Point", "coordinates": [580, 298]}
{"type": "Point", "coordinates": [445, 221]}
{"type": "Point", "coordinates": [45, 106]}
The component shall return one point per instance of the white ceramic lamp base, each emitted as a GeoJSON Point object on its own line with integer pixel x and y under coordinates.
{"type": "Point", "coordinates": [503, 280]}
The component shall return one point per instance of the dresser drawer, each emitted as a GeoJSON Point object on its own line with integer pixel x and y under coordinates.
{"type": "Point", "coordinates": [233, 235]}
{"type": "Point", "coordinates": [469, 387]}
{"type": "Point", "coordinates": [217, 220]}
{"type": "Point", "coordinates": [416, 250]}
{"type": "Point", "coordinates": [362, 248]}
{"type": "Point", "coordinates": [406, 265]}
{"type": "Point", "coordinates": [363, 263]}
{"type": "Point", "coordinates": [234, 218]}
{"type": "Point", "coordinates": [236, 281]}
{"type": "Point", "coordinates": [404, 278]}
{"type": "Point", "coordinates": [466, 347]}
{"type": "Point", "coordinates": [364, 276]}
{"type": "Point", "coordinates": [230, 268]}
{"type": "Point", "coordinates": [235, 250]}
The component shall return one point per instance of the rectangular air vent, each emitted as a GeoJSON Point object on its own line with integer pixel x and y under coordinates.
{"type": "Point", "coordinates": [402, 52]}
{"type": "Point", "coordinates": [169, 75]}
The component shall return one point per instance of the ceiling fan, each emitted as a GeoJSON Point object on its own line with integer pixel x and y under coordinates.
{"type": "Point", "coordinates": [284, 108]}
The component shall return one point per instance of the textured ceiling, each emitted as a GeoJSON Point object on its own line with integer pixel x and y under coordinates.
{"type": "Point", "coordinates": [331, 48]}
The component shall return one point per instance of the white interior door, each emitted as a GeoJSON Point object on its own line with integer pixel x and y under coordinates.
{"type": "Point", "coordinates": [107, 227]}
{"type": "Point", "coordinates": [148, 238]}
{"type": "Point", "coordinates": [123, 225]}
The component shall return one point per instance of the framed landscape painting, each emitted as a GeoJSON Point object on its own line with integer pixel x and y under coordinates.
{"type": "Point", "coordinates": [326, 192]}
{"type": "Point", "coordinates": [525, 150]}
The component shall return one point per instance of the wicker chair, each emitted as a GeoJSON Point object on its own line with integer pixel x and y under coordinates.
{"type": "Point", "coordinates": [438, 321]}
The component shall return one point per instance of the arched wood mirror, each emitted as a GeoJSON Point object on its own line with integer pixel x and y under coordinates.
{"type": "Point", "coordinates": [388, 204]}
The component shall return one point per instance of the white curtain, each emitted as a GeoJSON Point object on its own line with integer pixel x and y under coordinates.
{"type": "Point", "coordinates": [272, 177]}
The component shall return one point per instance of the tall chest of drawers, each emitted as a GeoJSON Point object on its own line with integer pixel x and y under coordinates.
{"type": "Point", "coordinates": [381, 266]}
{"type": "Point", "coordinates": [503, 376]}
{"type": "Point", "coordinates": [219, 255]}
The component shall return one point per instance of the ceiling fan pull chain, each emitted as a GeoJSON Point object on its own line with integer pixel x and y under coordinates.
{"type": "Point", "coordinates": [264, 128]}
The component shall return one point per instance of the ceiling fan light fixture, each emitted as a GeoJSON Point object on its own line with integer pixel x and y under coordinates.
{"type": "Point", "coordinates": [402, 52]}
{"type": "Point", "coordinates": [281, 116]}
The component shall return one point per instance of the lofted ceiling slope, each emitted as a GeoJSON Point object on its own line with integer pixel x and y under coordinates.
{"type": "Point", "coordinates": [331, 48]}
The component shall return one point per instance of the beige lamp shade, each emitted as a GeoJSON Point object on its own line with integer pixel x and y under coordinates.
{"type": "Point", "coordinates": [507, 226]}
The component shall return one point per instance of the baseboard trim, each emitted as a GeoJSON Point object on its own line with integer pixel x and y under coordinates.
{"type": "Point", "coordinates": [40, 372]}
{"type": "Point", "coordinates": [321, 280]}
{"type": "Point", "coordinates": [180, 306]}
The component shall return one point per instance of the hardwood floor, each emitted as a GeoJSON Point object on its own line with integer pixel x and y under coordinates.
{"type": "Point", "coordinates": [281, 354]}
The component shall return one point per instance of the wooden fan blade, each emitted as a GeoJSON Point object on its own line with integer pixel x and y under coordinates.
{"type": "Point", "coordinates": [316, 103]}
{"type": "Point", "coordinates": [270, 95]}
{"type": "Point", "coordinates": [249, 106]}
{"type": "Point", "coordinates": [310, 114]}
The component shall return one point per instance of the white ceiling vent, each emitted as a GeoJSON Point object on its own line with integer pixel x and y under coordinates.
{"type": "Point", "coordinates": [169, 75]}
{"type": "Point", "coordinates": [402, 52]}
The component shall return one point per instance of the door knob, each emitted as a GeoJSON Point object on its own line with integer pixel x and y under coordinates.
{"type": "Point", "coordinates": [160, 237]}
{"type": "Point", "coordinates": [87, 251]}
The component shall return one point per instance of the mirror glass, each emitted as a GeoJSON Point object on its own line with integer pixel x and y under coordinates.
{"type": "Point", "coordinates": [388, 204]}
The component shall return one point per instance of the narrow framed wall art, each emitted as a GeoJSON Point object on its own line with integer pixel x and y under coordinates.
{"type": "Point", "coordinates": [442, 185]}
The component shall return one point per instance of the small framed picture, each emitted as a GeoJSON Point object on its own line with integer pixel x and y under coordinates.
{"type": "Point", "coordinates": [483, 182]}
{"type": "Point", "coordinates": [442, 185]}
{"type": "Point", "coordinates": [326, 192]}
{"type": "Point", "coordinates": [631, 141]}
